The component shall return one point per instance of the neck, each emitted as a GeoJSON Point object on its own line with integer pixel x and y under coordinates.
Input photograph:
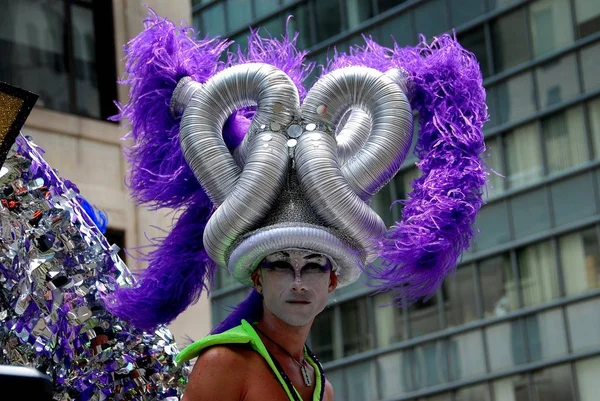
{"type": "Point", "coordinates": [291, 338]}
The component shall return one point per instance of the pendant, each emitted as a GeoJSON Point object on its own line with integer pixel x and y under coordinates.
{"type": "Point", "coordinates": [306, 376]}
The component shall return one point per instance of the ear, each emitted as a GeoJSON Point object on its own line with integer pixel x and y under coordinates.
{"type": "Point", "coordinates": [256, 278]}
{"type": "Point", "coordinates": [333, 281]}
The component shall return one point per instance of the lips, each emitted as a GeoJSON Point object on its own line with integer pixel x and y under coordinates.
{"type": "Point", "coordinates": [298, 302]}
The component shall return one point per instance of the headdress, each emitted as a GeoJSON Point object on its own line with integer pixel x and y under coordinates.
{"type": "Point", "coordinates": [256, 163]}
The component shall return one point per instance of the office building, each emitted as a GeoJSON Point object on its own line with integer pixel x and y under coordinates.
{"type": "Point", "coordinates": [520, 319]}
{"type": "Point", "coordinates": [69, 52]}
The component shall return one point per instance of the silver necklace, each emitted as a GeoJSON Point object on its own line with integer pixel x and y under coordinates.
{"type": "Point", "coordinates": [301, 362]}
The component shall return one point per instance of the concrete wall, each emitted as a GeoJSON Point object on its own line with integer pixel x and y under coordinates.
{"type": "Point", "coordinates": [89, 152]}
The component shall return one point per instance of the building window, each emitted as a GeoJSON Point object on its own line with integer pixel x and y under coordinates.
{"type": "Point", "coordinates": [473, 393]}
{"type": "Point", "coordinates": [514, 388]}
{"type": "Point", "coordinates": [460, 301]}
{"type": "Point", "coordinates": [553, 384]}
{"type": "Point", "coordinates": [53, 48]}
{"type": "Point", "coordinates": [588, 371]}
{"type": "Point", "coordinates": [431, 18]}
{"type": "Point", "coordinates": [274, 26]}
{"type": "Point", "coordinates": [493, 160]}
{"type": "Point", "coordinates": [239, 14]}
{"type": "Point", "coordinates": [301, 23]}
{"type": "Point", "coordinates": [321, 336]}
{"type": "Point", "coordinates": [587, 13]}
{"type": "Point", "coordinates": [356, 334]}
{"type": "Point", "coordinates": [224, 279]}
{"type": "Point", "coordinates": [362, 383]}
{"type": "Point", "coordinates": [530, 213]}
{"type": "Point", "coordinates": [569, 208]}
{"type": "Point", "coordinates": [497, 280]}
{"type": "Point", "coordinates": [397, 30]}
{"type": "Point", "coordinates": [505, 345]}
{"type": "Point", "coordinates": [474, 41]}
{"type": "Point", "coordinates": [509, 40]}
{"type": "Point", "coordinates": [546, 335]}
{"type": "Point", "coordinates": [523, 156]}
{"type": "Point", "coordinates": [429, 365]}
{"type": "Point", "coordinates": [382, 204]}
{"type": "Point", "coordinates": [594, 114]}
{"type": "Point", "coordinates": [223, 306]}
{"type": "Point", "coordinates": [564, 139]}
{"type": "Point", "coordinates": [212, 20]}
{"type": "Point", "coordinates": [537, 273]}
{"type": "Point", "coordinates": [424, 317]}
{"type": "Point", "coordinates": [462, 11]}
{"type": "Point", "coordinates": [515, 98]}
{"type": "Point", "coordinates": [557, 81]}
{"type": "Point", "coordinates": [394, 374]}
{"type": "Point", "coordinates": [384, 5]}
{"type": "Point", "coordinates": [328, 18]}
{"type": "Point", "coordinates": [580, 260]}
{"type": "Point", "coordinates": [492, 223]}
{"type": "Point", "coordinates": [389, 321]}
{"type": "Point", "coordinates": [264, 7]}
{"type": "Point", "coordinates": [551, 27]}
{"type": "Point", "coordinates": [466, 355]}
{"type": "Point", "coordinates": [584, 325]}
{"type": "Point", "coordinates": [358, 11]}
{"type": "Point", "coordinates": [590, 60]}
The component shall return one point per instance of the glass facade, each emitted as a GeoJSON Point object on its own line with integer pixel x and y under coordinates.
{"type": "Point", "coordinates": [56, 48]}
{"type": "Point", "coordinates": [520, 317]}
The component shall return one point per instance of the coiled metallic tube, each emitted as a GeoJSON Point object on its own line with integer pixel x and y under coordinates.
{"type": "Point", "coordinates": [245, 196]}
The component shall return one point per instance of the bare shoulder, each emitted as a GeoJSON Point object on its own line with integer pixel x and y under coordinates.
{"type": "Point", "coordinates": [219, 374]}
{"type": "Point", "coordinates": [328, 391]}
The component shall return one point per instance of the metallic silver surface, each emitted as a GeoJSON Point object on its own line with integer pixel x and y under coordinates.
{"type": "Point", "coordinates": [263, 85]}
{"type": "Point", "coordinates": [347, 140]}
{"type": "Point", "coordinates": [185, 89]}
{"type": "Point", "coordinates": [244, 196]}
{"type": "Point", "coordinates": [380, 98]}
{"type": "Point", "coordinates": [330, 195]}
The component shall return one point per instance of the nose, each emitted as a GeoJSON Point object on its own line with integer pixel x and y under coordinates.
{"type": "Point", "coordinates": [298, 284]}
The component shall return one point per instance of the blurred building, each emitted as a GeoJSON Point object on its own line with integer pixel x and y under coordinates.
{"type": "Point", "coordinates": [69, 52]}
{"type": "Point", "coordinates": [520, 319]}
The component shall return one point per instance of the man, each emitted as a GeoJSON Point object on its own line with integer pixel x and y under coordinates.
{"type": "Point", "coordinates": [274, 182]}
{"type": "Point", "coordinates": [294, 286]}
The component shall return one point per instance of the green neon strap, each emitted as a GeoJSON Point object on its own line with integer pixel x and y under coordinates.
{"type": "Point", "coordinates": [245, 334]}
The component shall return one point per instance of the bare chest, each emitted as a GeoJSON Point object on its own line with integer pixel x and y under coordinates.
{"type": "Point", "coordinates": [264, 386]}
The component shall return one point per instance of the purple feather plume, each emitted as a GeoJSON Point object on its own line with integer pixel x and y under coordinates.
{"type": "Point", "coordinates": [436, 226]}
{"type": "Point", "coordinates": [178, 271]}
{"type": "Point", "coordinates": [157, 59]}
{"type": "Point", "coordinates": [250, 309]}
{"type": "Point", "coordinates": [280, 52]}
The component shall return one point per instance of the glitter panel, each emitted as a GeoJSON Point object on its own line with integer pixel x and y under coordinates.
{"type": "Point", "coordinates": [55, 270]}
{"type": "Point", "coordinates": [8, 112]}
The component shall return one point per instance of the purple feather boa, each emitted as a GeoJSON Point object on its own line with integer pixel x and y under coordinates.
{"type": "Point", "coordinates": [157, 59]}
{"type": "Point", "coordinates": [436, 226]}
{"type": "Point", "coordinates": [178, 271]}
{"type": "Point", "coordinates": [178, 267]}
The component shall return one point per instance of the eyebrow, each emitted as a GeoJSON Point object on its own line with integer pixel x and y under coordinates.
{"type": "Point", "coordinates": [313, 255]}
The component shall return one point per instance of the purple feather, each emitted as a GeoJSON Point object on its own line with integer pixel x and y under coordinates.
{"type": "Point", "coordinates": [157, 59]}
{"type": "Point", "coordinates": [250, 309]}
{"type": "Point", "coordinates": [436, 226]}
{"type": "Point", "coordinates": [178, 271]}
{"type": "Point", "coordinates": [279, 52]}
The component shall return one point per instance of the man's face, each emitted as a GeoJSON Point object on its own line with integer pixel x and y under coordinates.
{"type": "Point", "coordinates": [295, 285]}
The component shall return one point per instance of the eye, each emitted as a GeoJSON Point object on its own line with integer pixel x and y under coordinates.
{"type": "Point", "coordinates": [315, 267]}
{"type": "Point", "coordinates": [279, 266]}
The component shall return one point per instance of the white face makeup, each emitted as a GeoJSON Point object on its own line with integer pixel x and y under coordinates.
{"type": "Point", "coordinates": [295, 285]}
